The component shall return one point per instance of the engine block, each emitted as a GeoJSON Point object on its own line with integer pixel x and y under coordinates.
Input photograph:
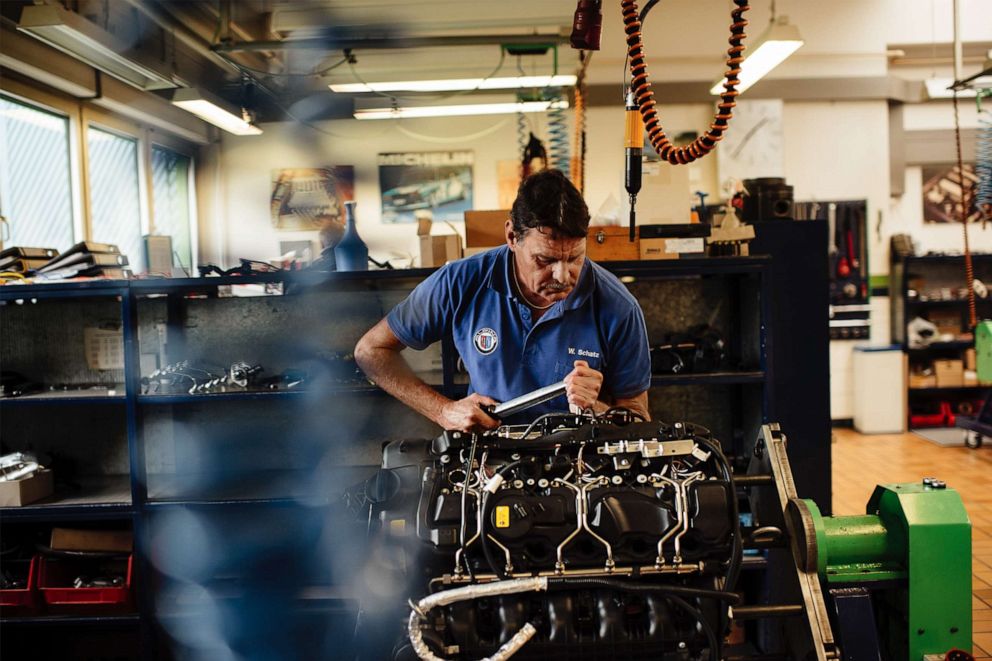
{"type": "Point", "coordinates": [589, 537]}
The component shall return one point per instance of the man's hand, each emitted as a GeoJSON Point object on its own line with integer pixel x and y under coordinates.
{"type": "Point", "coordinates": [467, 415]}
{"type": "Point", "coordinates": [582, 385]}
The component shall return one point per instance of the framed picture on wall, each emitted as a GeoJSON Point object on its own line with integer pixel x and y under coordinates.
{"type": "Point", "coordinates": [440, 182]}
{"type": "Point", "coordinates": [307, 198]}
{"type": "Point", "coordinates": [942, 193]}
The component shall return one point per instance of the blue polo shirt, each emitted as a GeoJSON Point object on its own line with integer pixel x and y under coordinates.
{"type": "Point", "coordinates": [505, 352]}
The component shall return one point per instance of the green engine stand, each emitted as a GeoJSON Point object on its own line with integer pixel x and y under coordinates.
{"type": "Point", "coordinates": [912, 551]}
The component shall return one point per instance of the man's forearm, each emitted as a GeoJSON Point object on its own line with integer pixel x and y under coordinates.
{"type": "Point", "coordinates": [388, 370]}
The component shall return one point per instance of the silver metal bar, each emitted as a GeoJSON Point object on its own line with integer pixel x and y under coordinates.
{"type": "Point", "coordinates": [809, 583]}
{"type": "Point", "coordinates": [560, 561]}
{"type": "Point", "coordinates": [610, 564]}
{"type": "Point", "coordinates": [524, 402]}
{"type": "Point", "coordinates": [687, 568]}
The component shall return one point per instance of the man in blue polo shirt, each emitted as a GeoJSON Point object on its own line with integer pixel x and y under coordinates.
{"type": "Point", "coordinates": [522, 316]}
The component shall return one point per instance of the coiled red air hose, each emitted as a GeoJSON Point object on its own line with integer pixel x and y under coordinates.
{"type": "Point", "coordinates": [641, 87]}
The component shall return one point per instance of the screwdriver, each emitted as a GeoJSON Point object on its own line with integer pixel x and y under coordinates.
{"type": "Point", "coordinates": [633, 145]}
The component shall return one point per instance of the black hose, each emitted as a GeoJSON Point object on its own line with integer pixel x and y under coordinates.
{"type": "Point", "coordinates": [716, 652]}
{"type": "Point", "coordinates": [468, 472]}
{"type": "Point", "coordinates": [737, 551]}
{"type": "Point", "coordinates": [483, 537]}
{"type": "Point", "coordinates": [571, 583]}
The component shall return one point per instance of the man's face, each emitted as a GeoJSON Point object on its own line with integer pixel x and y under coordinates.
{"type": "Point", "coordinates": [547, 264]}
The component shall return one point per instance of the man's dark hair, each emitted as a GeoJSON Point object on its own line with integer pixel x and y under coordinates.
{"type": "Point", "coordinates": [548, 199]}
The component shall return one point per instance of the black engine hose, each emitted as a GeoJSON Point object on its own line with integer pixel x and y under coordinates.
{"type": "Point", "coordinates": [468, 472]}
{"type": "Point", "coordinates": [483, 536]}
{"type": "Point", "coordinates": [737, 551]}
{"type": "Point", "coordinates": [558, 583]}
{"type": "Point", "coordinates": [716, 650]}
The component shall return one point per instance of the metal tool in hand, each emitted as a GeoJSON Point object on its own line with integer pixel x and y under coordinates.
{"type": "Point", "coordinates": [524, 402]}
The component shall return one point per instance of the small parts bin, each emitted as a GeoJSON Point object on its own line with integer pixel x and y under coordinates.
{"type": "Point", "coordinates": [55, 582]}
{"type": "Point", "coordinates": [21, 601]}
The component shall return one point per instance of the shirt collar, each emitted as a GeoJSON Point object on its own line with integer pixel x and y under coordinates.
{"type": "Point", "coordinates": [499, 280]}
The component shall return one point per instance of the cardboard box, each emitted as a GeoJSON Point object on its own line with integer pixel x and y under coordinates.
{"type": "Point", "coordinates": [949, 373]}
{"type": "Point", "coordinates": [666, 194]}
{"type": "Point", "coordinates": [109, 541]}
{"type": "Point", "coordinates": [437, 249]}
{"type": "Point", "coordinates": [485, 229]}
{"type": "Point", "coordinates": [672, 248]}
{"type": "Point", "coordinates": [611, 244]}
{"type": "Point", "coordinates": [27, 490]}
{"type": "Point", "coordinates": [922, 381]}
{"type": "Point", "coordinates": [970, 362]}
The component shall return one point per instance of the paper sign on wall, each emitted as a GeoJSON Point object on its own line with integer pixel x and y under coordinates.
{"type": "Point", "coordinates": [104, 349]}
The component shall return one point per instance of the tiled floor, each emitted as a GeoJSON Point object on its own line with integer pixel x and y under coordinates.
{"type": "Point", "coordinates": [861, 462]}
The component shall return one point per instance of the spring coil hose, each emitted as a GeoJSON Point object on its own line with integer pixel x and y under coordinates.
{"type": "Point", "coordinates": [983, 165]}
{"type": "Point", "coordinates": [641, 87]}
{"type": "Point", "coordinates": [558, 138]}
{"type": "Point", "coordinates": [965, 207]}
{"type": "Point", "coordinates": [578, 140]}
{"type": "Point", "coordinates": [522, 132]}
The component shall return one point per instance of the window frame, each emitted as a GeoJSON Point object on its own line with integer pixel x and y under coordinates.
{"type": "Point", "coordinates": [83, 113]}
{"type": "Point", "coordinates": [57, 105]}
{"type": "Point", "coordinates": [181, 147]}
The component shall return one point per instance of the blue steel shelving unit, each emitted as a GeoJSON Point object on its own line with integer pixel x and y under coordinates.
{"type": "Point", "coordinates": [755, 271]}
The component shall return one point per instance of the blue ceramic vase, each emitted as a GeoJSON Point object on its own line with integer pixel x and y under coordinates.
{"type": "Point", "coordinates": [351, 253]}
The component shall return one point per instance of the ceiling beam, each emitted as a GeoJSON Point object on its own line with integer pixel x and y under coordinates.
{"type": "Point", "coordinates": [336, 42]}
{"type": "Point", "coordinates": [886, 88]}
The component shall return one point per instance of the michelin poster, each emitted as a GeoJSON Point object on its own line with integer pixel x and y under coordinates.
{"type": "Point", "coordinates": [439, 182]}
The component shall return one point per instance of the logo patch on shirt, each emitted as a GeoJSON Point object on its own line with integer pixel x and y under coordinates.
{"type": "Point", "coordinates": [486, 341]}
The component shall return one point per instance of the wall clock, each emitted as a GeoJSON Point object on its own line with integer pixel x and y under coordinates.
{"type": "Point", "coordinates": [753, 146]}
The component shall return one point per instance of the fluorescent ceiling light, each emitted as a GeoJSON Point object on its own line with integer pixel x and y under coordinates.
{"type": "Point", "coordinates": [465, 109]}
{"type": "Point", "coordinates": [777, 43]}
{"type": "Point", "coordinates": [72, 34]}
{"type": "Point", "coordinates": [213, 110]}
{"type": "Point", "coordinates": [456, 84]}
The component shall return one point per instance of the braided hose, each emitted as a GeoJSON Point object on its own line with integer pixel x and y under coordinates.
{"type": "Point", "coordinates": [969, 270]}
{"type": "Point", "coordinates": [578, 139]}
{"type": "Point", "coordinates": [640, 85]}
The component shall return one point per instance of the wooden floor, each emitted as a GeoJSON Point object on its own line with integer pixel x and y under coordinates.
{"type": "Point", "coordinates": [861, 462]}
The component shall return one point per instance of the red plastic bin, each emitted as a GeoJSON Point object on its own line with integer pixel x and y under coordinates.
{"type": "Point", "coordinates": [55, 577]}
{"type": "Point", "coordinates": [23, 601]}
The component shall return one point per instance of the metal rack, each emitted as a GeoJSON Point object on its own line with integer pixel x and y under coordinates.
{"type": "Point", "coordinates": [947, 269]}
{"type": "Point", "coordinates": [743, 396]}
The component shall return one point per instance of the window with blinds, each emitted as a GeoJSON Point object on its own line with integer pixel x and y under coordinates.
{"type": "Point", "coordinates": [172, 202]}
{"type": "Point", "coordinates": [35, 177]}
{"type": "Point", "coordinates": [115, 195]}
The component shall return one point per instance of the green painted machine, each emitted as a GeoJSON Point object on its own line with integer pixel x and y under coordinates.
{"type": "Point", "coordinates": [894, 583]}
{"type": "Point", "coordinates": [983, 351]}
{"type": "Point", "coordinates": [912, 551]}
{"type": "Point", "coordinates": [979, 427]}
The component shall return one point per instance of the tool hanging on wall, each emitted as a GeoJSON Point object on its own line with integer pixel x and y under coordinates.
{"type": "Point", "coordinates": [633, 148]}
{"type": "Point", "coordinates": [640, 100]}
